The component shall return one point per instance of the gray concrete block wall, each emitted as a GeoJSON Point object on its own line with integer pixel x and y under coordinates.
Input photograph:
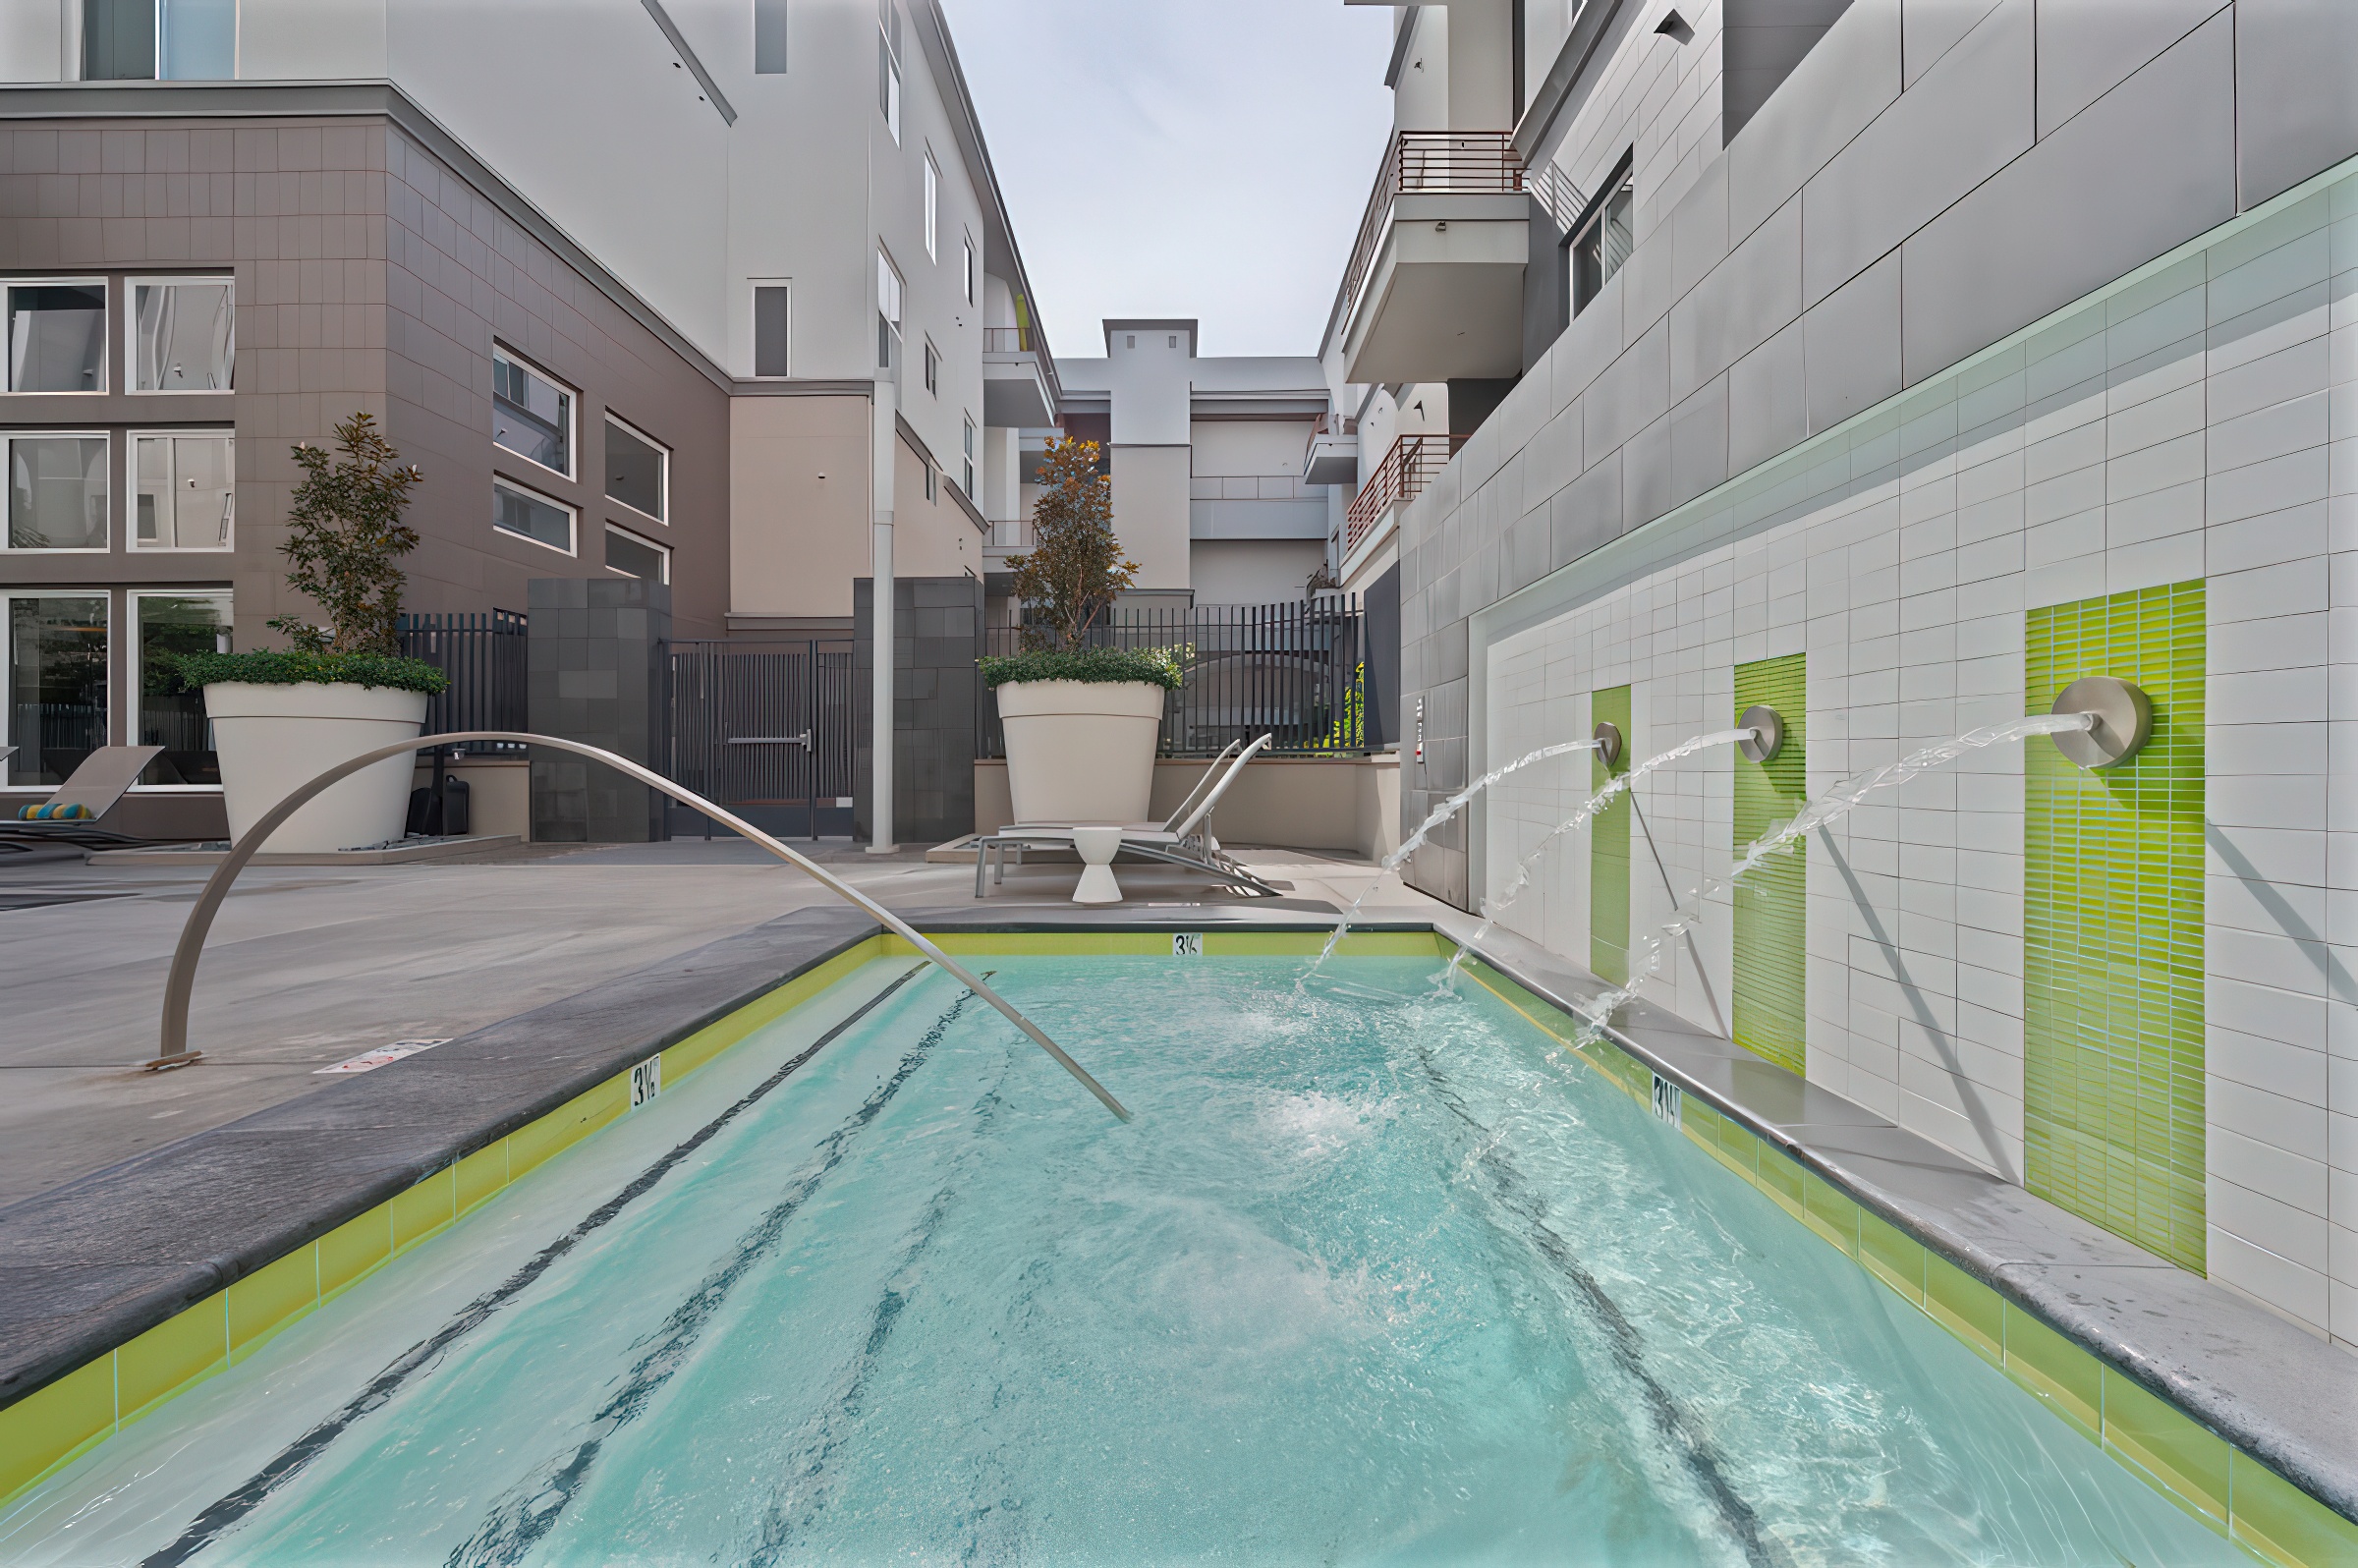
{"type": "Point", "coordinates": [1934, 176]}
{"type": "Point", "coordinates": [937, 698]}
{"type": "Point", "coordinates": [595, 674]}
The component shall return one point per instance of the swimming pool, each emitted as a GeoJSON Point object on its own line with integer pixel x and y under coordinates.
{"type": "Point", "coordinates": [1374, 1275]}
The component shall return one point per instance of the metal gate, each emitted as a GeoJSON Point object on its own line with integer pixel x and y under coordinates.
{"type": "Point", "coordinates": [764, 729]}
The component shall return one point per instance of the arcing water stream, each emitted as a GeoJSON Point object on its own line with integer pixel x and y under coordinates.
{"type": "Point", "coordinates": [1835, 804]}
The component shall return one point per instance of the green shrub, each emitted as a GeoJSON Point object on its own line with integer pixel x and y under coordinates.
{"type": "Point", "coordinates": [1160, 665]}
{"type": "Point", "coordinates": [299, 669]}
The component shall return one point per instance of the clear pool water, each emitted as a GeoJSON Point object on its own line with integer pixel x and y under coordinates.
{"type": "Point", "coordinates": [1375, 1277]}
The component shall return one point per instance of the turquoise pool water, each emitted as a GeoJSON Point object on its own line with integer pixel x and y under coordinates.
{"type": "Point", "coordinates": [1375, 1277]}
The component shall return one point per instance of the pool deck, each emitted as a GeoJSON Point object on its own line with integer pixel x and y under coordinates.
{"type": "Point", "coordinates": [117, 1228]}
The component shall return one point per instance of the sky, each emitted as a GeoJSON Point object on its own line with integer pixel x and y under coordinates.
{"type": "Point", "coordinates": [1206, 158]}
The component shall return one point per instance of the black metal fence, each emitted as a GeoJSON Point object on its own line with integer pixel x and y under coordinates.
{"type": "Point", "coordinates": [486, 656]}
{"type": "Point", "coordinates": [1296, 671]}
{"type": "Point", "coordinates": [766, 729]}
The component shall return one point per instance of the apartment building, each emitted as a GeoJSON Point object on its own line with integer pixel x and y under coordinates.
{"type": "Point", "coordinates": [704, 297]}
{"type": "Point", "coordinates": [1208, 456]}
{"type": "Point", "coordinates": [1891, 363]}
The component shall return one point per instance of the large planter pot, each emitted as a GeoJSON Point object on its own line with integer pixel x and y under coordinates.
{"type": "Point", "coordinates": [274, 739]}
{"type": "Point", "coordinates": [1081, 751]}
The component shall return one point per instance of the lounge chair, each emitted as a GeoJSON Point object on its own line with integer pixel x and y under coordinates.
{"type": "Point", "coordinates": [76, 811]}
{"type": "Point", "coordinates": [1183, 839]}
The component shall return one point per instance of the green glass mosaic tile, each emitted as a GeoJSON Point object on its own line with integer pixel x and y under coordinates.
{"type": "Point", "coordinates": [1609, 848]}
{"type": "Point", "coordinates": [1768, 1009]}
{"type": "Point", "coordinates": [2112, 930]}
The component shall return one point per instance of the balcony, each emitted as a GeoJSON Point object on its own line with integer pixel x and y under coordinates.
{"type": "Point", "coordinates": [1435, 288]}
{"type": "Point", "coordinates": [1332, 456]}
{"type": "Point", "coordinates": [1400, 477]}
{"type": "Point", "coordinates": [1016, 394]}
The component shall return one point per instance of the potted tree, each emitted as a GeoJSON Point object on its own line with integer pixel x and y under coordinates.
{"type": "Point", "coordinates": [1081, 722]}
{"type": "Point", "coordinates": [282, 717]}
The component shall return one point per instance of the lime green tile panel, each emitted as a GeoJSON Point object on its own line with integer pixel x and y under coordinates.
{"type": "Point", "coordinates": [1892, 1255]}
{"type": "Point", "coordinates": [51, 1425]}
{"type": "Point", "coordinates": [1608, 847]}
{"type": "Point", "coordinates": [2189, 1460]}
{"type": "Point", "coordinates": [272, 1297]}
{"type": "Point", "coordinates": [172, 1355]}
{"type": "Point", "coordinates": [2067, 1378]}
{"type": "Point", "coordinates": [425, 1209]}
{"type": "Point", "coordinates": [2283, 1524]}
{"type": "Point", "coordinates": [1965, 1307]}
{"type": "Point", "coordinates": [2112, 930]}
{"type": "Point", "coordinates": [1831, 1211]}
{"type": "Point", "coordinates": [1781, 1180]}
{"type": "Point", "coordinates": [1769, 1006]}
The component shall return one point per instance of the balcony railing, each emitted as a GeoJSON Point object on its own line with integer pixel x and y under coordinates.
{"type": "Point", "coordinates": [1011, 340]}
{"type": "Point", "coordinates": [1411, 465]}
{"type": "Point", "coordinates": [1430, 163]}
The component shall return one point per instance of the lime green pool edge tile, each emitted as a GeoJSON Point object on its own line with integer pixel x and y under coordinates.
{"type": "Point", "coordinates": [183, 1349]}
{"type": "Point", "coordinates": [272, 1297]}
{"type": "Point", "coordinates": [53, 1426]}
{"type": "Point", "coordinates": [2177, 1453]}
{"type": "Point", "coordinates": [2276, 1520]}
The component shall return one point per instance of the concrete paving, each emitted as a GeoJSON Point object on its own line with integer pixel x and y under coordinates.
{"type": "Point", "coordinates": [309, 966]}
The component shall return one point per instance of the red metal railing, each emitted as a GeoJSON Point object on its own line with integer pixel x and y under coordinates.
{"type": "Point", "coordinates": [1411, 465]}
{"type": "Point", "coordinates": [1431, 163]}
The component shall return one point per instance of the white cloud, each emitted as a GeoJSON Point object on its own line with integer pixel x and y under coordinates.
{"type": "Point", "coordinates": [1205, 158]}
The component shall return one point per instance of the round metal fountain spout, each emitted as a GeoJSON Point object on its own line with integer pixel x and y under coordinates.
{"type": "Point", "coordinates": [2120, 720]}
{"type": "Point", "coordinates": [1608, 742]}
{"type": "Point", "coordinates": [1768, 728]}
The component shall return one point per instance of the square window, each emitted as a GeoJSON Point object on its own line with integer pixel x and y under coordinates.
{"type": "Point", "coordinates": [183, 334]}
{"type": "Point", "coordinates": [638, 471]}
{"type": "Point", "coordinates": [172, 623]}
{"type": "Point", "coordinates": [633, 556]}
{"type": "Point", "coordinates": [772, 329]}
{"type": "Point", "coordinates": [57, 337]}
{"type": "Point", "coordinates": [529, 515]}
{"type": "Point", "coordinates": [185, 491]}
{"type": "Point", "coordinates": [531, 416]}
{"type": "Point", "coordinates": [56, 712]}
{"type": "Point", "coordinates": [769, 38]}
{"type": "Point", "coordinates": [57, 492]}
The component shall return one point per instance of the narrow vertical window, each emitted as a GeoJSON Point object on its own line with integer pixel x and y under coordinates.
{"type": "Point", "coordinates": [771, 329]}
{"type": "Point", "coordinates": [888, 65]}
{"type": "Point", "coordinates": [184, 493]}
{"type": "Point", "coordinates": [769, 38]}
{"type": "Point", "coordinates": [933, 368]}
{"type": "Point", "coordinates": [170, 715]}
{"type": "Point", "coordinates": [57, 337]}
{"type": "Point", "coordinates": [932, 209]}
{"type": "Point", "coordinates": [1604, 242]}
{"type": "Point", "coordinates": [966, 268]}
{"type": "Point", "coordinates": [888, 312]}
{"type": "Point", "coordinates": [932, 482]}
{"type": "Point", "coordinates": [183, 335]}
{"type": "Point", "coordinates": [966, 474]}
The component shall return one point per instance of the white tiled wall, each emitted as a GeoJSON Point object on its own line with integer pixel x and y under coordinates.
{"type": "Point", "coordinates": [2200, 421]}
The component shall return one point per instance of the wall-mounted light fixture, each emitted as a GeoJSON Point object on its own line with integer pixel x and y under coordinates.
{"type": "Point", "coordinates": [2123, 715]}
{"type": "Point", "coordinates": [1767, 737]}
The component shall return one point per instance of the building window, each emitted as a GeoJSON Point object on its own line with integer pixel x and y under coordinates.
{"type": "Point", "coordinates": [57, 492]}
{"type": "Point", "coordinates": [531, 416]}
{"type": "Point", "coordinates": [933, 368]}
{"type": "Point", "coordinates": [169, 41]}
{"type": "Point", "coordinates": [932, 483]}
{"type": "Point", "coordinates": [170, 625]}
{"type": "Point", "coordinates": [888, 66]}
{"type": "Point", "coordinates": [1604, 242]}
{"type": "Point", "coordinates": [772, 329]}
{"type": "Point", "coordinates": [932, 209]}
{"type": "Point", "coordinates": [186, 492]}
{"type": "Point", "coordinates": [769, 38]}
{"type": "Point", "coordinates": [56, 712]}
{"type": "Point", "coordinates": [638, 471]}
{"type": "Point", "coordinates": [633, 556]}
{"type": "Point", "coordinates": [888, 312]}
{"type": "Point", "coordinates": [966, 268]}
{"type": "Point", "coordinates": [57, 336]}
{"type": "Point", "coordinates": [519, 511]}
{"type": "Point", "coordinates": [967, 471]}
{"type": "Point", "coordinates": [183, 334]}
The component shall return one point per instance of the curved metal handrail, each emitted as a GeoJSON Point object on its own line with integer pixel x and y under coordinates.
{"type": "Point", "coordinates": [174, 1044]}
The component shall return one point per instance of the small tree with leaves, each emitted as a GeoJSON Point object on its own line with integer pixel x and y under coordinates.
{"type": "Point", "coordinates": [343, 534]}
{"type": "Point", "coordinates": [1074, 567]}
